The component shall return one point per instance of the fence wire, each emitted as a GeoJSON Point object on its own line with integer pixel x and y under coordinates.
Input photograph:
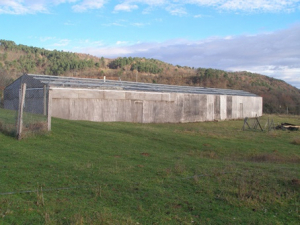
{"type": "Point", "coordinates": [23, 118]}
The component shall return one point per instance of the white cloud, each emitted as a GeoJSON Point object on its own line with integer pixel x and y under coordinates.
{"type": "Point", "coordinates": [88, 4]}
{"type": "Point", "coordinates": [175, 7]}
{"type": "Point", "coordinates": [57, 2]}
{"type": "Point", "coordinates": [20, 7]}
{"type": "Point", "coordinates": [246, 5]}
{"type": "Point", "coordinates": [275, 54]}
{"type": "Point", "coordinates": [176, 10]}
{"type": "Point", "coordinates": [198, 16]}
{"type": "Point", "coordinates": [45, 39]}
{"type": "Point", "coordinates": [88, 42]}
{"type": "Point", "coordinates": [121, 42]}
{"type": "Point", "coordinates": [62, 43]}
{"type": "Point", "coordinates": [125, 7]}
{"type": "Point", "coordinates": [118, 23]}
{"type": "Point", "coordinates": [69, 23]}
{"type": "Point", "coordinates": [43, 6]}
{"type": "Point", "coordinates": [109, 52]}
{"type": "Point", "coordinates": [148, 2]}
{"type": "Point", "coordinates": [139, 24]}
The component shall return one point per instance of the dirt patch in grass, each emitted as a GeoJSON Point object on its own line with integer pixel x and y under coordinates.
{"type": "Point", "coordinates": [210, 154]}
{"type": "Point", "coordinates": [296, 182]}
{"type": "Point", "coordinates": [296, 141]}
{"type": "Point", "coordinates": [36, 127]}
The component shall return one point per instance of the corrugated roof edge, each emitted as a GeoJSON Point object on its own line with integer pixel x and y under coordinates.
{"type": "Point", "coordinates": [60, 81]}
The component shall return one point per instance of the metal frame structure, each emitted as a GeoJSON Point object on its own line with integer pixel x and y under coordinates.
{"type": "Point", "coordinates": [56, 81]}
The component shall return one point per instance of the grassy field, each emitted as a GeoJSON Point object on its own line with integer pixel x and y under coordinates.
{"type": "Point", "coordinates": [124, 173]}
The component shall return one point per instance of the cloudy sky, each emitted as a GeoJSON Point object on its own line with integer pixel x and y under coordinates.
{"type": "Point", "coordinates": [254, 35]}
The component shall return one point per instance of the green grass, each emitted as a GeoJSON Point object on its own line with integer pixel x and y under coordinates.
{"type": "Point", "coordinates": [8, 121]}
{"type": "Point", "coordinates": [124, 173]}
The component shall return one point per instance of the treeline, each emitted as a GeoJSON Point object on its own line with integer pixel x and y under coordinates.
{"type": "Point", "coordinates": [33, 59]}
{"type": "Point", "coordinates": [142, 65]}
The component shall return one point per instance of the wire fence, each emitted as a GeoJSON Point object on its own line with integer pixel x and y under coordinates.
{"type": "Point", "coordinates": [23, 110]}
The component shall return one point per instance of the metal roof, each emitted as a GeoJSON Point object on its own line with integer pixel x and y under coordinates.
{"type": "Point", "coordinates": [58, 81]}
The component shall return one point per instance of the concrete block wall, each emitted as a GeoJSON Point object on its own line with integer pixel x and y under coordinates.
{"type": "Point", "coordinates": [149, 107]}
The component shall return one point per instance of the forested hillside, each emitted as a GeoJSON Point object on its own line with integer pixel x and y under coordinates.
{"type": "Point", "coordinates": [279, 97]}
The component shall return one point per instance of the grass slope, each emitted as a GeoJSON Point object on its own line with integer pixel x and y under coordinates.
{"type": "Point", "coordinates": [123, 173]}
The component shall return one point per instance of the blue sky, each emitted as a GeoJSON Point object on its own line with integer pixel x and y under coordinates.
{"type": "Point", "coordinates": [254, 35]}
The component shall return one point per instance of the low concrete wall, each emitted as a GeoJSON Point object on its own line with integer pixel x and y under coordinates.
{"type": "Point", "coordinates": [149, 107]}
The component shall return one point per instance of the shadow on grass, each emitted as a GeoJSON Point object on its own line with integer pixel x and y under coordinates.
{"type": "Point", "coordinates": [274, 157]}
{"type": "Point", "coordinates": [8, 129]}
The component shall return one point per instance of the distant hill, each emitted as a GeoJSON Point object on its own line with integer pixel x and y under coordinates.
{"type": "Point", "coordinates": [279, 97]}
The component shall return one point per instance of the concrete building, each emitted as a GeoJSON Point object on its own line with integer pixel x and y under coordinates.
{"type": "Point", "coordinates": [105, 100]}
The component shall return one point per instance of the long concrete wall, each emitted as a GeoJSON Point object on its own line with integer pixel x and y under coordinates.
{"type": "Point", "coordinates": [149, 107]}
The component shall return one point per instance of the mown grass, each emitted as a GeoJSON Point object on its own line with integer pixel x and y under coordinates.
{"type": "Point", "coordinates": [123, 173]}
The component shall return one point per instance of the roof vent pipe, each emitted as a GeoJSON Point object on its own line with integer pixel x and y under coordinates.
{"type": "Point", "coordinates": [104, 79]}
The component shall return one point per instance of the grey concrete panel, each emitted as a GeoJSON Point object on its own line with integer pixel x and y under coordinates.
{"type": "Point", "coordinates": [166, 97]}
{"type": "Point", "coordinates": [61, 93]}
{"type": "Point", "coordinates": [217, 107]}
{"type": "Point", "coordinates": [210, 108]}
{"type": "Point", "coordinates": [223, 107]}
{"type": "Point", "coordinates": [203, 107]}
{"type": "Point", "coordinates": [134, 95]}
{"type": "Point", "coordinates": [229, 107]}
{"type": "Point", "coordinates": [173, 96]}
{"type": "Point", "coordinates": [148, 112]}
{"type": "Point", "coordinates": [159, 114]}
{"type": "Point", "coordinates": [91, 94]}
{"type": "Point", "coordinates": [114, 94]}
{"type": "Point", "coordinates": [235, 108]}
{"type": "Point", "coordinates": [137, 111]}
{"type": "Point", "coordinates": [179, 108]}
{"type": "Point", "coordinates": [192, 108]}
{"type": "Point", "coordinates": [153, 96]}
{"type": "Point", "coordinates": [61, 108]}
{"type": "Point", "coordinates": [109, 110]}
